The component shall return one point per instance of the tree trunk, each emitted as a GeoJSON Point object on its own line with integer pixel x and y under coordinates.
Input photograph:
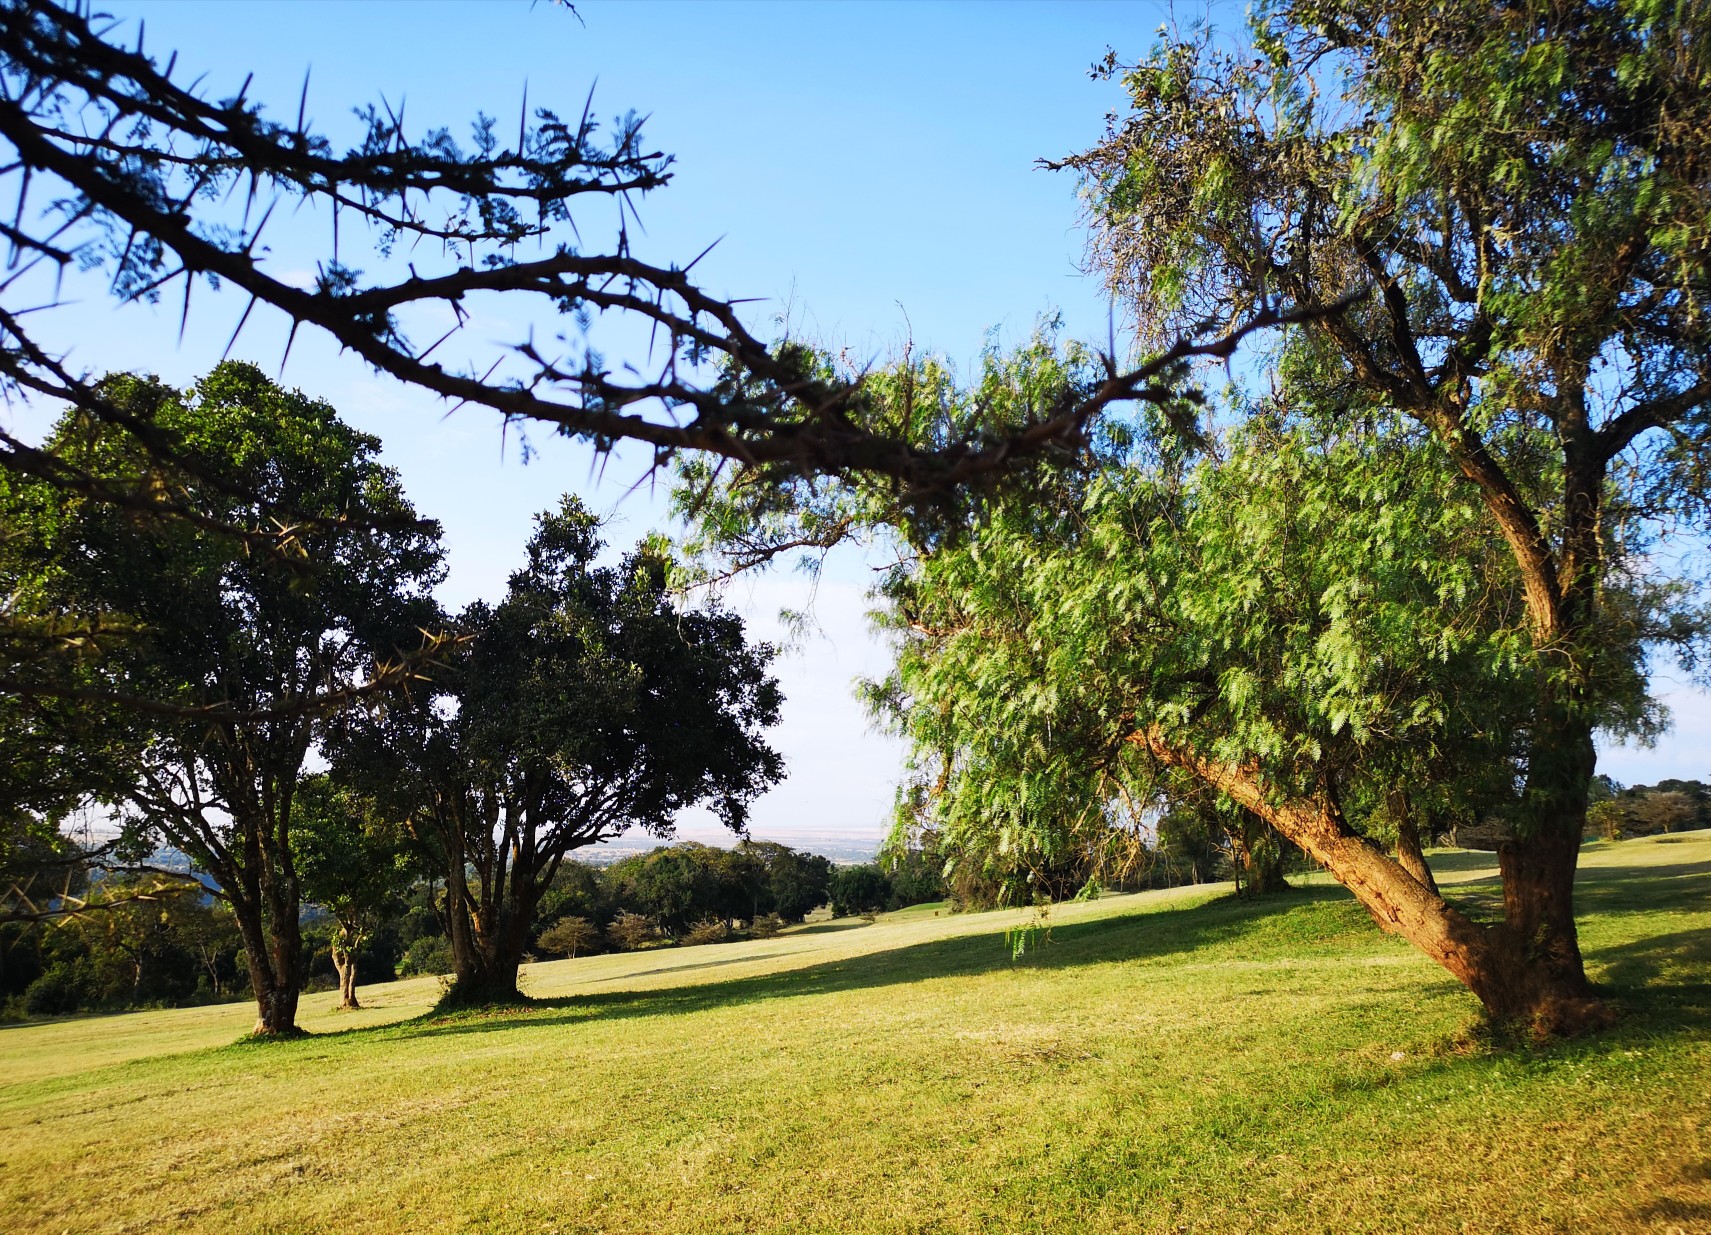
{"type": "Point", "coordinates": [1409, 854]}
{"type": "Point", "coordinates": [274, 983]}
{"type": "Point", "coordinates": [1261, 858]}
{"type": "Point", "coordinates": [277, 1012]}
{"type": "Point", "coordinates": [492, 980]}
{"type": "Point", "coordinates": [1531, 972]}
{"type": "Point", "coordinates": [1537, 973]}
{"type": "Point", "coordinates": [487, 947]}
{"type": "Point", "coordinates": [344, 960]}
{"type": "Point", "coordinates": [1526, 971]}
{"type": "Point", "coordinates": [1264, 871]}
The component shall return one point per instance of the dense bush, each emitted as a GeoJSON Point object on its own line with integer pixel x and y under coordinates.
{"type": "Point", "coordinates": [859, 890]}
{"type": "Point", "coordinates": [429, 956]}
{"type": "Point", "coordinates": [713, 930]}
{"type": "Point", "coordinates": [629, 931]}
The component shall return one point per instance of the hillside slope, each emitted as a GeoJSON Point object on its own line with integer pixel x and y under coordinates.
{"type": "Point", "coordinates": [1163, 1062]}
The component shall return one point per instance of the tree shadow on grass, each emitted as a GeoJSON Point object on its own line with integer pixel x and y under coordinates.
{"type": "Point", "coordinates": [1608, 890]}
{"type": "Point", "coordinates": [823, 928]}
{"type": "Point", "coordinates": [1208, 928]}
{"type": "Point", "coordinates": [1641, 975]}
{"type": "Point", "coordinates": [1460, 861]}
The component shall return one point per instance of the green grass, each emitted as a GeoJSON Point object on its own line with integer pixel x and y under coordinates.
{"type": "Point", "coordinates": [1165, 1062]}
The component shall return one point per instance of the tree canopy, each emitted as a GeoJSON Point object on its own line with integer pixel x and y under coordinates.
{"type": "Point", "coordinates": [239, 650]}
{"type": "Point", "coordinates": [583, 704]}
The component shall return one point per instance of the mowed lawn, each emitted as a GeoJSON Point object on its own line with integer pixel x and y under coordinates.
{"type": "Point", "coordinates": [1165, 1062]}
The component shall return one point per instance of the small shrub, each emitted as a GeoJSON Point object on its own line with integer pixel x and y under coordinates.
{"type": "Point", "coordinates": [431, 954]}
{"type": "Point", "coordinates": [629, 931]}
{"type": "Point", "coordinates": [766, 926]}
{"type": "Point", "coordinates": [713, 930]}
{"type": "Point", "coordinates": [568, 936]}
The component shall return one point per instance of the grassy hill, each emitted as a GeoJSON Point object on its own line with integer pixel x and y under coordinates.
{"type": "Point", "coordinates": [1165, 1062]}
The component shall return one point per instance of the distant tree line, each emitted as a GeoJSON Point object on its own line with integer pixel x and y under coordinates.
{"type": "Point", "coordinates": [385, 920]}
{"type": "Point", "coordinates": [1647, 810]}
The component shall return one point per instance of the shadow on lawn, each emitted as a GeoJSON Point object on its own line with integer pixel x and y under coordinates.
{"type": "Point", "coordinates": [1293, 924]}
{"type": "Point", "coordinates": [1604, 890]}
{"type": "Point", "coordinates": [1297, 917]}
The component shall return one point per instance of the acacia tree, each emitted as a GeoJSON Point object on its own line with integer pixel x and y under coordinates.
{"type": "Point", "coordinates": [120, 169]}
{"type": "Point", "coordinates": [351, 861]}
{"type": "Point", "coordinates": [1319, 626]}
{"type": "Point", "coordinates": [1307, 614]}
{"type": "Point", "coordinates": [235, 651]}
{"type": "Point", "coordinates": [583, 704]}
{"type": "Point", "coordinates": [1524, 187]}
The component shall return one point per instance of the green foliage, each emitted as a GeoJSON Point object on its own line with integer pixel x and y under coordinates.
{"type": "Point", "coordinates": [709, 930]}
{"type": "Point", "coordinates": [351, 860]}
{"type": "Point", "coordinates": [583, 704]}
{"type": "Point", "coordinates": [1648, 810]}
{"type": "Point", "coordinates": [569, 936]}
{"type": "Point", "coordinates": [577, 890]}
{"type": "Point", "coordinates": [915, 872]}
{"type": "Point", "coordinates": [428, 956]}
{"type": "Point", "coordinates": [1321, 606]}
{"type": "Point", "coordinates": [681, 885]}
{"type": "Point", "coordinates": [859, 889]}
{"type": "Point", "coordinates": [678, 886]}
{"type": "Point", "coordinates": [792, 884]}
{"type": "Point", "coordinates": [630, 931]}
{"type": "Point", "coordinates": [239, 648]}
{"type": "Point", "coordinates": [758, 515]}
{"type": "Point", "coordinates": [1521, 193]}
{"type": "Point", "coordinates": [132, 946]}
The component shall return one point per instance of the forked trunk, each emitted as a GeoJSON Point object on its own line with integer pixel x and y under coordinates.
{"type": "Point", "coordinates": [1409, 854]}
{"type": "Point", "coordinates": [487, 952]}
{"type": "Point", "coordinates": [491, 980]}
{"type": "Point", "coordinates": [277, 1011]}
{"type": "Point", "coordinates": [344, 960]}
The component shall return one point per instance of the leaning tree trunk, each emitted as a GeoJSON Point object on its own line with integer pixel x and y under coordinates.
{"type": "Point", "coordinates": [1525, 971]}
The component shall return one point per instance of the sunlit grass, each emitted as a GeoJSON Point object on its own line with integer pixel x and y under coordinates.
{"type": "Point", "coordinates": [1164, 1062]}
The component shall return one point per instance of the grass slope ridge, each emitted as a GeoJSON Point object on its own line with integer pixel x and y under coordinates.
{"type": "Point", "coordinates": [1165, 1062]}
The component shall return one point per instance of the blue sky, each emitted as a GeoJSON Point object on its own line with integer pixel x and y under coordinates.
{"type": "Point", "coordinates": [868, 170]}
